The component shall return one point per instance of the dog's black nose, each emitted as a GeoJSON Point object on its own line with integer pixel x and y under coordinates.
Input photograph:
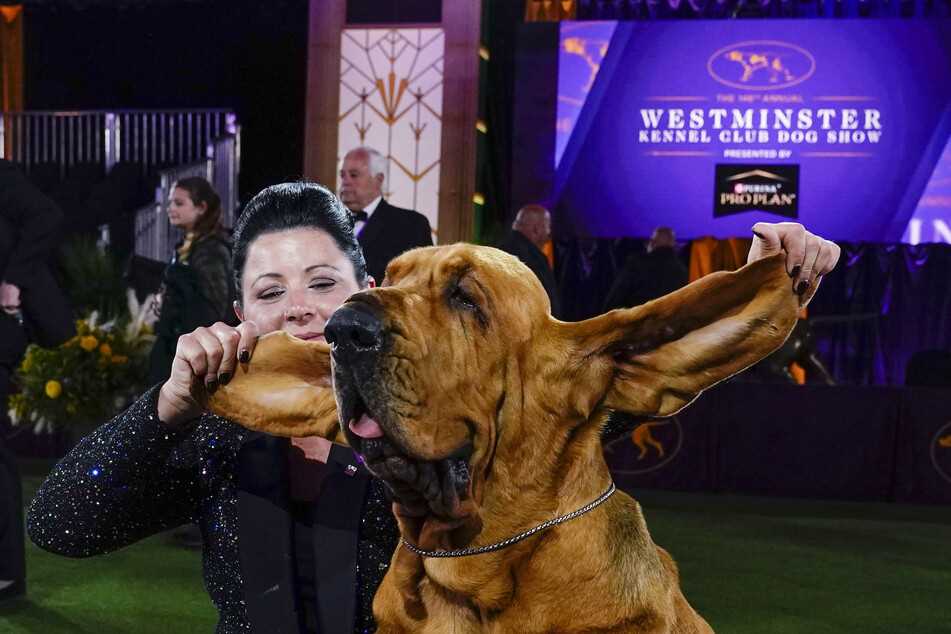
{"type": "Point", "coordinates": [353, 330]}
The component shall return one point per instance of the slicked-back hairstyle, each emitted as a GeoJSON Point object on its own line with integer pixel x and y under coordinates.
{"type": "Point", "coordinates": [299, 205]}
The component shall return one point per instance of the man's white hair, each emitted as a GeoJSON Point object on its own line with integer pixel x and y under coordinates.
{"type": "Point", "coordinates": [375, 161]}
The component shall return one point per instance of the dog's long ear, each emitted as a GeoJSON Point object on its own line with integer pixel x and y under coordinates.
{"type": "Point", "coordinates": [285, 390]}
{"type": "Point", "coordinates": [658, 357]}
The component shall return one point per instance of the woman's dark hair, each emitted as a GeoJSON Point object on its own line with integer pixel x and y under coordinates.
{"type": "Point", "coordinates": [295, 206]}
{"type": "Point", "coordinates": [201, 192]}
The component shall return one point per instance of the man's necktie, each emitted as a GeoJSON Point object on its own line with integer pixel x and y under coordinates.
{"type": "Point", "coordinates": [359, 216]}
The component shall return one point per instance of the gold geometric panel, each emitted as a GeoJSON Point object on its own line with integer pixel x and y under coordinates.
{"type": "Point", "coordinates": [391, 84]}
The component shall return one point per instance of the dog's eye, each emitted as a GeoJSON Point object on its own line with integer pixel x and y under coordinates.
{"type": "Point", "coordinates": [459, 298]}
{"type": "Point", "coordinates": [462, 299]}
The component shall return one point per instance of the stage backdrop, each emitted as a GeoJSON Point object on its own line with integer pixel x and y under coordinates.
{"type": "Point", "coordinates": [709, 127]}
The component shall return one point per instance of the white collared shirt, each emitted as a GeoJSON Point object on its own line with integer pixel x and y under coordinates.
{"type": "Point", "coordinates": [358, 227]}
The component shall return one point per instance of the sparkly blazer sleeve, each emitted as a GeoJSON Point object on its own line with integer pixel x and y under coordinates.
{"type": "Point", "coordinates": [129, 479]}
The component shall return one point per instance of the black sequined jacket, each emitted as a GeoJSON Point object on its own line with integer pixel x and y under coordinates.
{"type": "Point", "coordinates": [134, 477]}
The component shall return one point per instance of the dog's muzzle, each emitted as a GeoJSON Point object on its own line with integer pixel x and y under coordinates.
{"type": "Point", "coordinates": [356, 333]}
{"type": "Point", "coordinates": [360, 341]}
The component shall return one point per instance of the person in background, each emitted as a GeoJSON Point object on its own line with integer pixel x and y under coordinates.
{"type": "Point", "coordinates": [33, 308]}
{"type": "Point", "coordinates": [384, 231]}
{"type": "Point", "coordinates": [530, 232]}
{"type": "Point", "coordinates": [196, 288]}
{"type": "Point", "coordinates": [650, 275]}
{"type": "Point", "coordinates": [12, 346]}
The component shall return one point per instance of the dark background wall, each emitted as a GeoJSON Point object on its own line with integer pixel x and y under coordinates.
{"type": "Point", "coordinates": [241, 54]}
{"type": "Point", "coordinates": [249, 55]}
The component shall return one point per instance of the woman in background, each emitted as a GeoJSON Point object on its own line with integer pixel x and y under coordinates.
{"type": "Point", "coordinates": [197, 288]}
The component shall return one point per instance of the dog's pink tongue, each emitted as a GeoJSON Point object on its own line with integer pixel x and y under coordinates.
{"type": "Point", "coordinates": [366, 427]}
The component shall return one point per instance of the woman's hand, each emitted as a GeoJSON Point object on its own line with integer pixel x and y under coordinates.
{"type": "Point", "coordinates": [314, 447]}
{"type": "Point", "coordinates": [204, 359]}
{"type": "Point", "coordinates": [9, 297]}
{"type": "Point", "coordinates": [808, 256]}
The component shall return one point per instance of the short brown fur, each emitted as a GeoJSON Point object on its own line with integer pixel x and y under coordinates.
{"type": "Point", "coordinates": [530, 394]}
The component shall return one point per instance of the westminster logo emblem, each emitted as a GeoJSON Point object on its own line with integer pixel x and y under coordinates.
{"type": "Point", "coordinates": [651, 446]}
{"type": "Point", "coordinates": [941, 452]}
{"type": "Point", "coordinates": [761, 65]}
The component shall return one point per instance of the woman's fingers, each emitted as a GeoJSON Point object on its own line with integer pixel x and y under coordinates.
{"type": "Point", "coordinates": [248, 337]}
{"type": "Point", "coordinates": [829, 255]}
{"type": "Point", "coordinates": [766, 242]}
{"type": "Point", "coordinates": [793, 236]}
{"type": "Point", "coordinates": [229, 338]}
{"type": "Point", "coordinates": [192, 353]}
{"type": "Point", "coordinates": [213, 352]}
{"type": "Point", "coordinates": [805, 278]}
{"type": "Point", "coordinates": [808, 257]}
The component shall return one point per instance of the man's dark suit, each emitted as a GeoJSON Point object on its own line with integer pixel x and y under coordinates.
{"type": "Point", "coordinates": [646, 277]}
{"type": "Point", "coordinates": [33, 222]}
{"type": "Point", "coordinates": [525, 250]}
{"type": "Point", "coordinates": [389, 232]}
{"type": "Point", "coordinates": [29, 223]}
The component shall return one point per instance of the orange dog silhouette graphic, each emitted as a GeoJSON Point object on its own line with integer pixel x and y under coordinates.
{"type": "Point", "coordinates": [642, 437]}
{"type": "Point", "coordinates": [753, 63]}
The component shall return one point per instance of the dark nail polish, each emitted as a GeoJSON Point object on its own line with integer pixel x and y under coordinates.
{"type": "Point", "coordinates": [795, 271]}
{"type": "Point", "coordinates": [224, 377]}
{"type": "Point", "coordinates": [244, 356]}
{"type": "Point", "coordinates": [211, 385]}
{"type": "Point", "coordinates": [759, 235]}
{"type": "Point", "coordinates": [802, 287]}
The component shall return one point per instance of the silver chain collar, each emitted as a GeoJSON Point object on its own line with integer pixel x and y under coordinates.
{"type": "Point", "coordinates": [465, 552]}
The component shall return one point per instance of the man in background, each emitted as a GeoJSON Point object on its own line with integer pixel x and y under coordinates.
{"type": "Point", "coordinates": [32, 307]}
{"type": "Point", "coordinates": [530, 231]}
{"type": "Point", "coordinates": [651, 275]}
{"type": "Point", "coordinates": [383, 231]}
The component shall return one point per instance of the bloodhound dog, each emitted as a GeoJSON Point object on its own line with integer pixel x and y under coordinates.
{"type": "Point", "coordinates": [482, 414]}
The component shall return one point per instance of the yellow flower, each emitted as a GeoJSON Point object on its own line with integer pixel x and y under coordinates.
{"type": "Point", "coordinates": [120, 358]}
{"type": "Point", "coordinates": [105, 350]}
{"type": "Point", "coordinates": [53, 389]}
{"type": "Point", "coordinates": [27, 362]}
{"type": "Point", "coordinates": [88, 343]}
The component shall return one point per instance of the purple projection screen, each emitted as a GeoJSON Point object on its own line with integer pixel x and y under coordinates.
{"type": "Point", "coordinates": [709, 127]}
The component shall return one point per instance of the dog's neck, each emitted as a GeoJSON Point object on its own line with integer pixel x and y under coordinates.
{"type": "Point", "coordinates": [551, 469]}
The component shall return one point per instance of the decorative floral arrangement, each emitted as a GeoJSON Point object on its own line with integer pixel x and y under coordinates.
{"type": "Point", "coordinates": [89, 378]}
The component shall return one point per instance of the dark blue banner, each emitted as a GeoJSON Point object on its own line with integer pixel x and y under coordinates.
{"type": "Point", "coordinates": [859, 111]}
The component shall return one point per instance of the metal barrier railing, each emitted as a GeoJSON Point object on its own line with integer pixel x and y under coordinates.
{"type": "Point", "coordinates": [224, 153]}
{"type": "Point", "coordinates": [151, 232]}
{"type": "Point", "coordinates": [150, 138]}
{"type": "Point", "coordinates": [204, 143]}
{"type": "Point", "coordinates": [155, 238]}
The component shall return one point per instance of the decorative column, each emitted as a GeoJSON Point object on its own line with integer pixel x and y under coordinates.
{"type": "Point", "coordinates": [406, 90]}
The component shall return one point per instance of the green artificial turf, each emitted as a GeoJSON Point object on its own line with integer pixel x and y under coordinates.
{"type": "Point", "coordinates": [779, 566]}
{"type": "Point", "coordinates": [749, 565]}
{"type": "Point", "coordinates": [150, 587]}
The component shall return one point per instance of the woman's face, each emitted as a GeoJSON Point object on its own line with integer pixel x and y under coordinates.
{"type": "Point", "coordinates": [182, 212]}
{"type": "Point", "coordinates": [293, 281]}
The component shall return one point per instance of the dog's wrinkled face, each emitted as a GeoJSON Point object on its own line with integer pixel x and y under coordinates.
{"type": "Point", "coordinates": [419, 373]}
